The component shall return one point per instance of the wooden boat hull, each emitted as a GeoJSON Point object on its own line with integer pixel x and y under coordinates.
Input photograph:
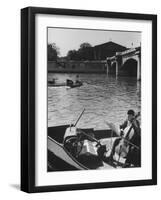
{"type": "Point", "coordinates": [59, 159]}
{"type": "Point", "coordinates": [57, 84]}
{"type": "Point", "coordinates": [65, 85]}
{"type": "Point", "coordinates": [76, 85]}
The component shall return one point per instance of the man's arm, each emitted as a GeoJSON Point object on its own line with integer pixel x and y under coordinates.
{"type": "Point", "coordinates": [136, 126]}
{"type": "Point", "coordinates": [136, 139]}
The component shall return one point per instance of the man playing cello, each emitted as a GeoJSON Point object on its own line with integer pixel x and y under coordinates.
{"type": "Point", "coordinates": [128, 144]}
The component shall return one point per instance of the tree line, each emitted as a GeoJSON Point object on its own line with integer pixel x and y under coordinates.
{"type": "Point", "coordinates": [85, 52]}
{"type": "Point", "coordinates": [53, 52]}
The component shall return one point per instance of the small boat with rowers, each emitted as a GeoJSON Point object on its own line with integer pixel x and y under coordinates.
{"type": "Point", "coordinates": [71, 148]}
{"type": "Point", "coordinates": [68, 83]}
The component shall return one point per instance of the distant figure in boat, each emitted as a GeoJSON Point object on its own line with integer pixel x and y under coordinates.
{"type": "Point", "coordinates": [77, 81]}
{"type": "Point", "coordinates": [52, 81]}
{"type": "Point", "coordinates": [69, 82]}
{"type": "Point", "coordinates": [72, 84]}
{"type": "Point", "coordinates": [128, 144]}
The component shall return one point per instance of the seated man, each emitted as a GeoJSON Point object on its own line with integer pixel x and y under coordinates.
{"type": "Point", "coordinates": [129, 137]}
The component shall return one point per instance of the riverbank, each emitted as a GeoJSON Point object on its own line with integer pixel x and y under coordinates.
{"type": "Point", "coordinates": [77, 67]}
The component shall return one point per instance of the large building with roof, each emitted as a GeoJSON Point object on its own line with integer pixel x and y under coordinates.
{"type": "Point", "coordinates": [108, 49]}
{"type": "Point", "coordinates": [97, 65]}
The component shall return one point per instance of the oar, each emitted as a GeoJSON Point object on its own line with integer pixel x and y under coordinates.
{"type": "Point", "coordinates": [79, 117]}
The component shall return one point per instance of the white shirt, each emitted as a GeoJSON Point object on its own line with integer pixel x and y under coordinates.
{"type": "Point", "coordinates": [127, 129]}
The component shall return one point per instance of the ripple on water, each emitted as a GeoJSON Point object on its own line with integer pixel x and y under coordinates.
{"type": "Point", "coordinates": [103, 97]}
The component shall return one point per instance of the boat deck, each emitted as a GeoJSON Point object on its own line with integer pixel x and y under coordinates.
{"type": "Point", "coordinates": [55, 145]}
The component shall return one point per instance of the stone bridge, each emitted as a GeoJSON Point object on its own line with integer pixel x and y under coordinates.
{"type": "Point", "coordinates": [126, 63]}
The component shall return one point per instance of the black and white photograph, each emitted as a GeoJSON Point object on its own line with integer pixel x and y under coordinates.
{"type": "Point", "coordinates": [93, 99]}
{"type": "Point", "coordinates": [89, 99]}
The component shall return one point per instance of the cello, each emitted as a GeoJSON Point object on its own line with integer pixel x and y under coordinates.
{"type": "Point", "coordinates": [125, 144]}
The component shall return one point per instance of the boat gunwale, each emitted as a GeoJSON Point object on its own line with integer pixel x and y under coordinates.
{"type": "Point", "coordinates": [81, 165]}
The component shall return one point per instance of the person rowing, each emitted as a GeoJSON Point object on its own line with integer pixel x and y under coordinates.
{"type": "Point", "coordinates": [73, 84]}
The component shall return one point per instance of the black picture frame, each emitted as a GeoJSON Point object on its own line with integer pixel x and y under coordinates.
{"type": "Point", "coordinates": [28, 98]}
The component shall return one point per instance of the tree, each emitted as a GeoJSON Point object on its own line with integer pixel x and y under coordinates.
{"type": "Point", "coordinates": [73, 55]}
{"type": "Point", "coordinates": [86, 51]}
{"type": "Point", "coordinates": [85, 45]}
{"type": "Point", "coordinates": [53, 52]}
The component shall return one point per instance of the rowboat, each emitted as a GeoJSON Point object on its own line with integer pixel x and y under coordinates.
{"type": "Point", "coordinates": [77, 84]}
{"type": "Point", "coordinates": [68, 83]}
{"type": "Point", "coordinates": [61, 156]}
{"type": "Point", "coordinates": [56, 84]}
{"type": "Point", "coordinates": [72, 148]}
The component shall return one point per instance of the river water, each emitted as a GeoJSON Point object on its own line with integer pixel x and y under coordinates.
{"type": "Point", "coordinates": [104, 97]}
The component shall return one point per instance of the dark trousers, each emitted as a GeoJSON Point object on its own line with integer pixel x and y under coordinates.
{"type": "Point", "coordinates": [134, 157]}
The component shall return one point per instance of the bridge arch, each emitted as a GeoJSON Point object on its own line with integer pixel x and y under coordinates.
{"type": "Point", "coordinates": [130, 67]}
{"type": "Point", "coordinates": [126, 63]}
{"type": "Point", "coordinates": [113, 68]}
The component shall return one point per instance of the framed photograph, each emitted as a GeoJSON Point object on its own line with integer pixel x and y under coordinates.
{"type": "Point", "coordinates": [88, 99]}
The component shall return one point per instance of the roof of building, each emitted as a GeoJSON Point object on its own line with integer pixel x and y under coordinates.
{"type": "Point", "coordinates": [111, 46]}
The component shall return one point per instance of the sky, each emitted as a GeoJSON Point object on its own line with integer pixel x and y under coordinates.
{"type": "Point", "coordinates": [69, 39]}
